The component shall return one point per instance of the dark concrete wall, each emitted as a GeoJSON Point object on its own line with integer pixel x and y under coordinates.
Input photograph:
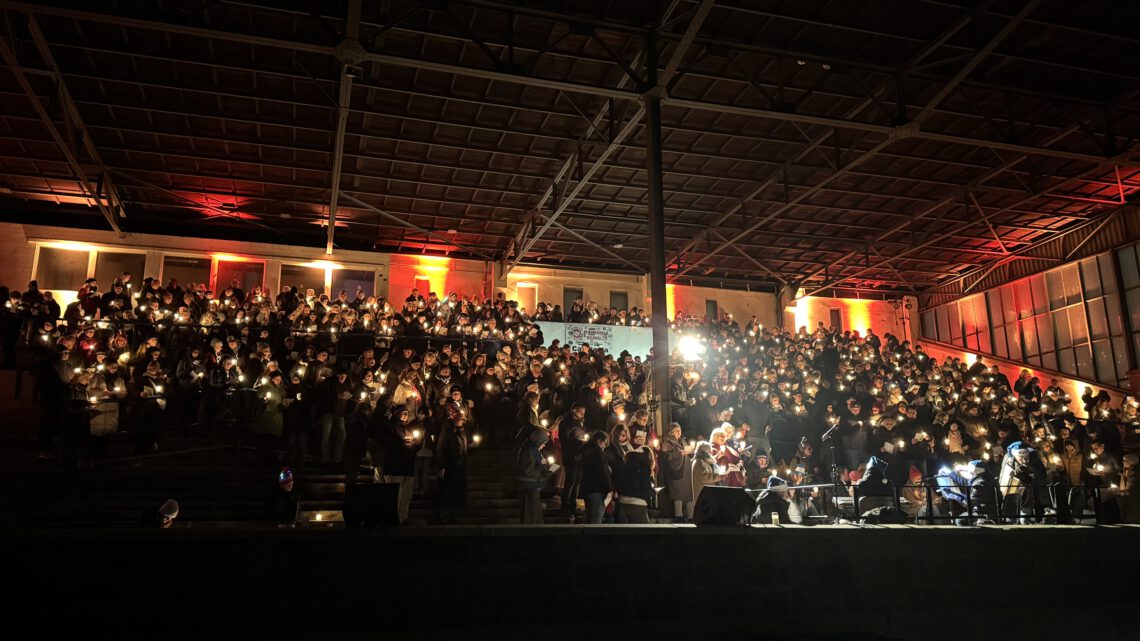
{"type": "Point", "coordinates": [585, 583]}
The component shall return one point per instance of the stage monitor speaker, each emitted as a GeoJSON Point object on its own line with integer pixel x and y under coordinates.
{"type": "Point", "coordinates": [723, 506]}
{"type": "Point", "coordinates": [371, 505]}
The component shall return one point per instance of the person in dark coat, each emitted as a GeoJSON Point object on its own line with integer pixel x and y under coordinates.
{"type": "Point", "coordinates": [773, 501]}
{"type": "Point", "coordinates": [634, 482]}
{"type": "Point", "coordinates": [596, 483]}
{"type": "Point", "coordinates": [356, 441]}
{"type": "Point", "coordinates": [451, 459]}
{"type": "Point", "coordinates": [572, 435]}
{"type": "Point", "coordinates": [402, 443]}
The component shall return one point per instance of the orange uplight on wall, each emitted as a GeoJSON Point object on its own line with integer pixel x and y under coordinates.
{"type": "Point", "coordinates": [230, 258]}
{"type": "Point", "coordinates": [434, 269]}
{"type": "Point", "coordinates": [671, 300]}
{"type": "Point", "coordinates": [857, 313]}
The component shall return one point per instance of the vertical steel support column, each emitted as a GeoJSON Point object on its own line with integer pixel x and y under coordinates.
{"type": "Point", "coordinates": [657, 290]}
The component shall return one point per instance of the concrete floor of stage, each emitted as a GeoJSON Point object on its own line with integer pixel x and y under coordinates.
{"type": "Point", "coordinates": [574, 582]}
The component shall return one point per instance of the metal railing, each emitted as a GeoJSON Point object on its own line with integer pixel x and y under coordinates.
{"type": "Point", "coordinates": [832, 502]}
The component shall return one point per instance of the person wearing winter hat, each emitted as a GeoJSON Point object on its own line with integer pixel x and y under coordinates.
{"type": "Point", "coordinates": [874, 488]}
{"type": "Point", "coordinates": [634, 481]}
{"type": "Point", "coordinates": [534, 472]}
{"type": "Point", "coordinates": [1021, 475]}
{"type": "Point", "coordinates": [281, 505]}
{"type": "Point", "coordinates": [773, 500]}
{"type": "Point", "coordinates": [162, 518]}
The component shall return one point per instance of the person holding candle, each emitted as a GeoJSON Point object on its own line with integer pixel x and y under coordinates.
{"type": "Point", "coordinates": [451, 461]}
{"type": "Point", "coordinates": [572, 436]}
{"type": "Point", "coordinates": [534, 470]}
{"type": "Point", "coordinates": [676, 472]}
{"type": "Point", "coordinates": [334, 395]}
{"type": "Point", "coordinates": [270, 419]}
{"type": "Point", "coordinates": [633, 481]}
{"type": "Point", "coordinates": [403, 439]}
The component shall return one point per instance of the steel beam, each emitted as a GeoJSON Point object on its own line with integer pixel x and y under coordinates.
{"type": "Point", "coordinates": [360, 203]}
{"type": "Point", "coordinates": [651, 106]}
{"type": "Point", "coordinates": [102, 191]}
{"type": "Point", "coordinates": [348, 54]}
{"type": "Point", "coordinates": [986, 218]}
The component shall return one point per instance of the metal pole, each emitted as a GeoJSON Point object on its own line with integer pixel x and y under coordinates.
{"type": "Point", "coordinates": [657, 291]}
{"type": "Point", "coordinates": [929, 503]}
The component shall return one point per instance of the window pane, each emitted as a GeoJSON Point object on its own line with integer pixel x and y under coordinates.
{"type": "Point", "coordinates": [1049, 360]}
{"type": "Point", "coordinates": [1120, 356]}
{"type": "Point", "coordinates": [185, 271]}
{"type": "Point", "coordinates": [1098, 322]}
{"type": "Point", "coordinates": [1023, 299]}
{"type": "Point", "coordinates": [1107, 275]}
{"type": "Point", "coordinates": [955, 325]}
{"type": "Point", "coordinates": [1009, 310]}
{"type": "Point", "coordinates": [1029, 331]}
{"type": "Point", "coordinates": [1115, 319]}
{"type": "Point", "coordinates": [943, 314]}
{"type": "Point", "coordinates": [1136, 345]}
{"type": "Point", "coordinates": [1013, 341]}
{"type": "Point", "coordinates": [969, 318]}
{"type": "Point", "coordinates": [1077, 325]}
{"type": "Point", "coordinates": [351, 280]}
{"type": "Point", "coordinates": [1034, 360]}
{"type": "Point", "coordinates": [1067, 361]}
{"type": "Point", "coordinates": [1045, 333]}
{"type": "Point", "coordinates": [302, 278]}
{"type": "Point", "coordinates": [62, 269]}
{"type": "Point", "coordinates": [1132, 300]}
{"type": "Point", "coordinates": [1072, 284]}
{"type": "Point", "coordinates": [1128, 273]}
{"type": "Point", "coordinates": [246, 274]}
{"type": "Point", "coordinates": [1040, 295]}
{"type": "Point", "coordinates": [1055, 286]}
{"type": "Point", "coordinates": [1102, 355]}
{"type": "Point", "coordinates": [620, 301]}
{"type": "Point", "coordinates": [1105, 368]}
{"type": "Point", "coordinates": [928, 328]}
{"type": "Point", "coordinates": [993, 307]}
{"type": "Point", "coordinates": [999, 343]}
{"type": "Point", "coordinates": [984, 342]}
{"type": "Point", "coordinates": [1091, 275]}
{"type": "Point", "coordinates": [111, 265]}
{"type": "Point", "coordinates": [1061, 327]}
{"type": "Point", "coordinates": [1084, 361]}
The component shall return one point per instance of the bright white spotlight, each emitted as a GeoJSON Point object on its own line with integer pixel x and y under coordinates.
{"type": "Point", "coordinates": [692, 349]}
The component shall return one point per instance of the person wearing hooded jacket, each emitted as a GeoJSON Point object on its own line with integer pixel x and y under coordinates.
{"type": "Point", "coordinates": [534, 472]}
{"type": "Point", "coordinates": [1021, 480]}
{"type": "Point", "coordinates": [704, 471]}
{"type": "Point", "coordinates": [675, 454]}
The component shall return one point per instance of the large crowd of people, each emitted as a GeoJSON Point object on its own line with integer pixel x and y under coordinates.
{"type": "Point", "coordinates": [399, 391]}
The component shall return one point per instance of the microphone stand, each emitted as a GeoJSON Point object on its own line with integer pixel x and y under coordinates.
{"type": "Point", "coordinates": [828, 437]}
